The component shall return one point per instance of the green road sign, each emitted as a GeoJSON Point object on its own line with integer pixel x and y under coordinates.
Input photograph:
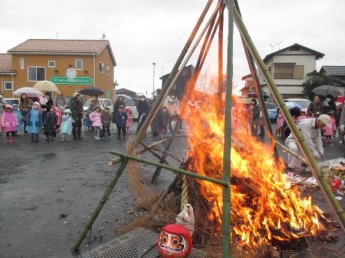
{"type": "Point", "coordinates": [74, 81]}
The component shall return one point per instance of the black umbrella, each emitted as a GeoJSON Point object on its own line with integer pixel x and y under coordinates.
{"type": "Point", "coordinates": [324, 90]}
{"type": "Point", "coordinates": [91, 91]}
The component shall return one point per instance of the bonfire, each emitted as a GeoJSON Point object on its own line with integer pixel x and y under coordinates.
{"type": "Point", "coordinates": [264, 206]}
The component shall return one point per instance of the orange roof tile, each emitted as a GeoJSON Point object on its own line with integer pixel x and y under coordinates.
{"type": "Point", "coordinates": [5, 62]}
{"type": "Point", "coordinates": [61, 46]}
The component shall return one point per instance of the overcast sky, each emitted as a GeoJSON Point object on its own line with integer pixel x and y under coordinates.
{"type": "Point", "coordinates": [147, 31]}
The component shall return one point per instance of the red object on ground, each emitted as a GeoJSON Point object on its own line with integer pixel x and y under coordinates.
{"type": "Point", "coordinates": [174, 241]}
{"type": "Point", "coordinates": [335, 185]}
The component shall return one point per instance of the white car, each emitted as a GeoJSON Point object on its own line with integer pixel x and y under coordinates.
{"type": "Point", "coordinates": [103, 103]}
{"type": "Point", "coordinates": [303, 104]}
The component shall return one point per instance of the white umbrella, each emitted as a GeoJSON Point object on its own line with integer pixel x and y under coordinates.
{"type": "Point", "coordinates": [45, 86]}
{"type": "Point", "coordinates": [31, 92]}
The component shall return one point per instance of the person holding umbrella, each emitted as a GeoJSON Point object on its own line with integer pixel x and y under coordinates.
{"type": "Point", "coordinates": [76, 108]}
{"type": "Point", "coordinates": [329, 105]}
{"type": "Point", "coordinates": [48, 104]}
{"type": "Point", "coordinates": [25, 105]}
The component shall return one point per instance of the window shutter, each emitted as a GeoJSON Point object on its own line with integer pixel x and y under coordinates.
{"type": "Point", "coordinates": [298, 71]}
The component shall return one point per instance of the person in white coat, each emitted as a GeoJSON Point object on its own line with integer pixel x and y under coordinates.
{"type": "Point", "coordinates": [310, 130]}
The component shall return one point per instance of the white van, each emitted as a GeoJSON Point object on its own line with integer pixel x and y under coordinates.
{"type": "Point", "coordinates": [103, 103]}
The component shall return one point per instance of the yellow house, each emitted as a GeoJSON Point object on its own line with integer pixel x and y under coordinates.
{"type": "Point", "coordinates": [6, 75]}
{"type": "Point", "coordinates": [70, 64]}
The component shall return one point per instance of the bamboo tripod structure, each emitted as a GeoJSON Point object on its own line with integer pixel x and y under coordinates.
{"type": "Point", "coordinates": [252, 54]}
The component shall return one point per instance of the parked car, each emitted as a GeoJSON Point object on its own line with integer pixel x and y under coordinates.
{"type": "Point", "coordinates": [272, 111]}
{"type": "Point", "coordinates": [130, 104]}
{"type": "Point", "coordinates": [103, 103]}
{"type": "Point", "coordinates": [12, 101]}
{"type": "Point", "coordinates": [301, 103]}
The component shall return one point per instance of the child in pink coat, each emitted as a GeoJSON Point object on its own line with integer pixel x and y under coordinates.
{"type": "Point", "coordinates": [58, 112]}
{"type": "Point", "coordinates": [302, 116]}
{"type": "Point", "coordinates": [9, 123]}
{"type": "Point", "coordinates": [329, 131]}
{"type": "Point", "coordinates": [95, 118]}
{"type": "Point", "coordinates": [129, 118]}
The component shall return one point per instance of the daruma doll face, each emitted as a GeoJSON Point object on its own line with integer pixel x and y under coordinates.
{"type": "Point", "coordinates": [174, 241]}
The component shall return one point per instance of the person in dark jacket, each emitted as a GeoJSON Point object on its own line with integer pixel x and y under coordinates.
{"type": "Point", "coordinates": [154, 125]}
{"type": "Point", "coordinates": [121, 120]}
{"type": "Point", "coordinates": [46, 106]}
{"type": "Point", "coordinates": [163, 121]}
{"type": "Point", "coordinates": [76, 108]}
{"type": "Point", "coordinates": [143, 108]}
{"type": "Point", "coordinates": [119, 102]}
{"type": "Point", "coordinates": [50, 122]}
{"type": "Point", "coordinates": [106, 119]}
{"type": "Point", "coordinates": [329, 105]}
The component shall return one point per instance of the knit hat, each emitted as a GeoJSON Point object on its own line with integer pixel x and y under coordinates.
{"type": "Point", "coordinates": [37, 103]}
{"type": "Point", "coordinates": [15, 105]}
{"type": "Point", "coordinates": [68, 111]}
{"type": "Point", "coordinates": [325, 119]}
{"type": "Point", "coordinates": [9, 106]}
{"type": "Point", "coordinates": [120, 106]}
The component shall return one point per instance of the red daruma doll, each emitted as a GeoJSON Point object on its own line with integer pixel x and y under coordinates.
{"type": "Point", "coordinates": [174, 241]}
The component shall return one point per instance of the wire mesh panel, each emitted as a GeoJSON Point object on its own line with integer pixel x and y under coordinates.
{"type": "Point", "coordinates": [139, 242]}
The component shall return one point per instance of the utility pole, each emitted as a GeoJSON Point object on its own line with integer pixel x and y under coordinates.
{"type": "Point", "coordinates": [153, 83]}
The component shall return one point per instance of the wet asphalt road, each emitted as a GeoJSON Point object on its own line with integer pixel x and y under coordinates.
{"type": "Point", "coordinates": [48, 189]}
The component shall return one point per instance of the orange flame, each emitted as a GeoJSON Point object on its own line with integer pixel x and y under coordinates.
{"type": "Point", "coordinates": [263, 201]}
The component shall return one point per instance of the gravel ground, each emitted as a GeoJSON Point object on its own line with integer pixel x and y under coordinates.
{"type": "Point", "coordinates": [48, 189]}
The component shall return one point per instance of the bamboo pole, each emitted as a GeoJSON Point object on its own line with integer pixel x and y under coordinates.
{"type": "Point", "coordinates": [220, 54]}
{"type": "Point", "coordinates": [112, 162]}
{"type": "Point", "coordinates": [325, 189]}
{"type": "Point", "coordinates": [173, 169]}
{"type": "Point", "coordinates": [258, 90]}
{"type": "Point", "coordinates": [292, 153]}
{"type": "Point", "coordinates": [99, 207]}
{"type": "Point", "coordinates": [226, 218]}
{"type": "Point", "coordinates": [174, 71]}
{"type": "Point", "coordinates": [167, 148]}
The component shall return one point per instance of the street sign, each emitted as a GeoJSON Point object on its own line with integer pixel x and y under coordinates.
{"type": "Point", "coordinates": [75, 81]}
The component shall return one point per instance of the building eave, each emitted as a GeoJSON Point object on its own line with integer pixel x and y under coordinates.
{"type": "Point", "coordinates": [52, 53]}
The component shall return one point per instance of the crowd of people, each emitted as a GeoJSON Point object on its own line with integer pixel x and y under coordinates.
{"type": "Point", "coordinates": [53, 117]}
{"type": "Point", "coordinates": [319, 124]}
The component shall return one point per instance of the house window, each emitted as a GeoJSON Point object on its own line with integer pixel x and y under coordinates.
{"type": "Point", "coordinates": [36, 73]}
{"type": "Point", "coordinates": [288, 71]}
{"type": "Point", "coordinates": [8, 86]}
{"type": "Point", "coordinates": [22, 63]}
{"type": "Point", "coordinates": [298, 71]}
{"type": "Point", "coordinates": [107, 69]}
{"type": "Point", "coordinates": [283, 72]}
{"type": "Point", "coordinates": [51, 64]}
{"type": "Point", "coordinates": [79, 64]}
{"type": "Point", "coordinates": [101, 67]}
